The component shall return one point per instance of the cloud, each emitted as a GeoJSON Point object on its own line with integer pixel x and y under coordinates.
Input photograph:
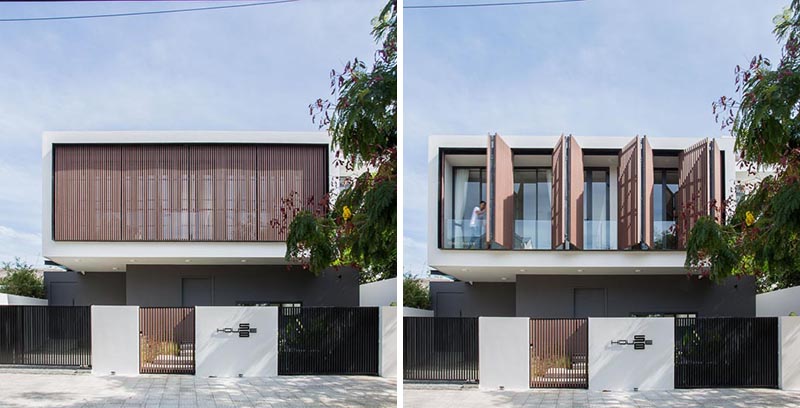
{"type": "Point", "coordinates": [25, 245]}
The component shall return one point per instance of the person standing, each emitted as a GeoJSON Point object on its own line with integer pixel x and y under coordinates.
{"type": "Point", "coordinates": [476, 224]}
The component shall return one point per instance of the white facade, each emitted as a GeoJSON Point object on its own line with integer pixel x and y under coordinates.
{"type": "Point", "coordinates": [380, 293]}
{"type": "Point", "coordinates": [504, 353]}
{"type": "Point", "coordinates": [114, 256]}
{"type": "Point", "coordinates": [115, 340]}
{"type": "Point", "coordinates": [504, 265]}
{"type": "Point", "coordinates": [781, 302]}
{"type": "Point", "coordinates": [789, 349]}
{"type": "Point", "coordinates": [14, 300]}
{"type": "Point", "coordinates": [226, 354]}
{"type": "Point", "coordinates": [388, 342]}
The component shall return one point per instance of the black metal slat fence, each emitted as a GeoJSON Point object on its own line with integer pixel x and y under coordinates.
{"type": "Point", "coordinates": [166, 340]}
{"type": "Point", "coordinates": [46, 336]}
{"type": "Point", "coordinates": [726, 352]}
{"type": "Point", "coordinates": [559, 353]}
{"type": "Point", "coordinates": [328, 340]}
{"type": "Point", "coordinates": [440, 349]}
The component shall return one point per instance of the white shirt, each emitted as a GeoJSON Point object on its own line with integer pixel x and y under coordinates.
{"type": "Point", "coordinates": [476, 215]}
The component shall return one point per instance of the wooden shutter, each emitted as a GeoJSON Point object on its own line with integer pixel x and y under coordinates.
{"type": "Point", "coordinates": [500, 186]}
{"type": "Point", "coordinates": [557, 204]}
{"type": "Point", "coordinates": [693, 188]}
{"type": "Point", "coordinates": [575, 197]}
{"type": "Point", "coordinates": [717, 183]}
{"type": "Point", "coordinates": [648, 179]}
{"type": "Point", "coordinates": [628, 187]}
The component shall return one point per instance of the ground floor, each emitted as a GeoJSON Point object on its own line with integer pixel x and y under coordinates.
{"type": "Point", "coordinates": [596, 296]}
{"type": "Point", "coordinates": [68, 389]}
{"type": "Point", "coordinates": [205, 285]}
{"type": "Point", "coordinates": [470, 396]}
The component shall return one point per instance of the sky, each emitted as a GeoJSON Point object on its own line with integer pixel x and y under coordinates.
{"type": "Point", "coordinates": [592, 68]}
{"type": "Point", "coordinates": [254, 68]}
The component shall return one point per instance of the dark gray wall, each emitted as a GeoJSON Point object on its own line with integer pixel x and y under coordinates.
{"type": "Point", "coordinates": [554, 295]}
{"type": "Point", "coordinates": [454, 299]}
{"type": "Point", "coordinates": [162, 285]}
{"type": "Point", "coordinates": [94, 288]}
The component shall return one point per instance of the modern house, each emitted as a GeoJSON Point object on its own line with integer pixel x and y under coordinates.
{"type": "Point", "coordinates": [183, 218]}
{"type": "Point", "coordinates": [576, 226]}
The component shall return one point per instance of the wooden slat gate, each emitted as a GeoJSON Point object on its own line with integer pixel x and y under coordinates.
{"type": "Point", "coordinates": [559, 351]}
{"type": "Point", "coordinates": [721, 352]}
{"type": "Point", "coordinates": [46, 336]}
{"type": "Point", "coordinates": [440, 349]}
{"type": "Point", "coordinates": [166, 340]}
{"type": "Point", "coordinates": [328, 340]}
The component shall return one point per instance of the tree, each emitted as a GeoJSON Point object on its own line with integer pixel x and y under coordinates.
{"type": "Point", "coordinates": [358, 227]}
{"type": "Point", "coordinates": [21, 280]}
{"type": "Point", "coordinates": [415, 294]}
{"type": "Point", "coordinates": [762, 234]}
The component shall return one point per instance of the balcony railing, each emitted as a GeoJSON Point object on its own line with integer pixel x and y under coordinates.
{"type": "Point", "coordinates": [664, 235]}
{"type": "Point", "coordinates": [459, 234]}
{"type": "Point", "coordinates": [533, 234]}
{"type": "Point", "coordinates": [599, 234]}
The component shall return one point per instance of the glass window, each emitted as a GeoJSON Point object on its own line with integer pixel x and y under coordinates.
{"type": "Point", "coordinates": [665, 208]}
{"type": "Point", "coordinates": [469, 189]}
{"type": "Point", "coordinates": [532, 220]}
{"type": "Point", "coordinates": [596, 210]}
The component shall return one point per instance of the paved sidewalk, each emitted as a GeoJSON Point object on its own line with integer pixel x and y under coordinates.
{"type": "Point", "coordinates": [443, 396]}
{"type": "Point", "coordinates": [67, 389]}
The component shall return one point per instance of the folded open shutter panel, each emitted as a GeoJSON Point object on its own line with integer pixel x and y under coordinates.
{"type": "Point", "coordinates": [575, 197]}
{"type": "Point", "coordinates": [693, 196]}
{"type": "Point", "coordinates": [628, 187]}
{"type": "Point", "coordinates": [500, 185]}
{"type": "Point", "coordinates": [716, 205]}
{"type": "Point", "coordinates": [557, 203]}
{"type": "Point", "coordinates": [648, 180]}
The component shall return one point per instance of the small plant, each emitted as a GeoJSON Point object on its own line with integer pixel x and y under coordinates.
{"type": "Point", "coordinates": [21, 280]}
{"type": "Point", "coordinates": [151, 349]}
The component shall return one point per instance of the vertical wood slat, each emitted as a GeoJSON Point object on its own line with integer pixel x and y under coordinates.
{"type": "Point", "coordinates": [557, 205]}
{"type": "Point", "coordinates": [155, 193]}
{"type": "Point", "coordinates": [716, 182]}
{"type": "Point", "coordinates": [144, 192]}
{"type": "Point", "coordinates": [559, 353]}
{"type": "Point", "coordinates": [294, 173]}
{"type": "Point", "coordinates": [166, 340]}
{"type": "Point", "coordinates": [693, 196]}
{"type": "Point", "coordinates": [86, 192]}
{"type": "Point", "coordinates": [575, 194]}
{"type": "Point", "coordinates": [648, 186]}
{"type": "Point", "coordinates": [223, 199]}
{"type": "Point", "coordinates": [500, 186]}
{"type": "Point", "coordinates": [628, 187]}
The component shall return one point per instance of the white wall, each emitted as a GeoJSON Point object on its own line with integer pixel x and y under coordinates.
{"type": "Point", "coordinates": [388, 342]}
{"type": "Point", "coordinates": [789, 360]}
{"type": "Point", "coordinates": [414, 312]}
{"type": "Point", "coordinates": [228, 355]}
{"type": "Point", "coordinates": [622, 368]}
{"type": "Point", "coordinates": [115, 340]}
{"type": "Point", "coordinates": [6, 299]}
{"type": "Point", "coordinates": [504, 353]}
{"type": "Point", "coordinates": [778, 303]}
{"type": "Point", "coordinates": [380, 293]}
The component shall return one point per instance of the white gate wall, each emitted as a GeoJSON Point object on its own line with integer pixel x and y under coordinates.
{"type": "Point", "coordinates": [620, 367]}
{"type": "Point", "coordinates": [504, 353]}
{"type": "Point", "coordinates": [388, 342]}
{"type": "Point", "coordinates": [115, 340]}
{"type": "Point", "coordinates": [226, 354]}
{"type": "Point", "coordinates": [789, 349]}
